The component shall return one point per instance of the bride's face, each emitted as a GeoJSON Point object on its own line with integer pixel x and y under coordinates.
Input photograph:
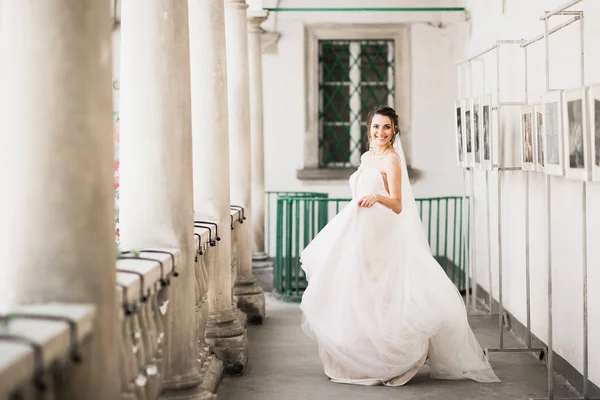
{"type": "Point", "coordinates": [382, 131]}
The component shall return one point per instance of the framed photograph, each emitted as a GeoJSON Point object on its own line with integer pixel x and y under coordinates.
{"type": "Point", "coordinates": [527, 144]}
{"type": "Point", "coordinates": [552, 133]}
{"type": "Point", "coordinates": [467, 125]}
{"type": "Point", "coordinates": [485, 130]}
{"type": "Point", "coordinates": [538, 137]}
{"type": "Point", "coordinates": [475, 132]}
{"type": "Point", "coordinates": [460, 143]}
{"type": "Point", "coordinates": [594, 129]}
{"type": "Point", "coordinates": [574, 134]}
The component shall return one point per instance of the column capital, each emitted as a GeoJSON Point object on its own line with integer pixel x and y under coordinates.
{"type": "Point", "coordinates": [255, 18]}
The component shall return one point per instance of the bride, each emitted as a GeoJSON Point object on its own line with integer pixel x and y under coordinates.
{"type": "Point", "coordinates": [377, 303]}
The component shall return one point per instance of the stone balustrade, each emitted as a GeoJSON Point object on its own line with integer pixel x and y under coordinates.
{"type": "Point", "coordinates": [39, 345]}
{"type": "Point", "coordinates": [142, 275]}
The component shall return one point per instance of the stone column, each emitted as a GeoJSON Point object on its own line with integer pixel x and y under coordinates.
{"type": "Point", "coordinates": [211, 173]}
{"type": "Point", "coordinates": [255, 18]}
{"type": "Point", "coordinates": [249, 295]}
{"type": "Point", "coordinates": [156, 196]}
{"type": "Point", "coordinates": [57, 235]}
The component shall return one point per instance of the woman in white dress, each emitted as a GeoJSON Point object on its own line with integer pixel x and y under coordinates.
{"type": "Point", "coordinates": [377, 303]}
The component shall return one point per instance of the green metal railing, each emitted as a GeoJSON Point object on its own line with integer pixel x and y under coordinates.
{"type": "Point", "coordinates": [299, 220]}
{"type": "Point", "coordinates": [301, 217]}
{"type": "Point", "coordinates": [378, 9]}
{"type": "Point", "coordinates": [442, 219]}
{"type": "Point", "coordinates": [271, 215]}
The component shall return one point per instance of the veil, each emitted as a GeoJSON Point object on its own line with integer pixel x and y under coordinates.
{"type": "Point", "coordinates": [410, 212]}
{"type": "Point", "coordinates": [454, 351]}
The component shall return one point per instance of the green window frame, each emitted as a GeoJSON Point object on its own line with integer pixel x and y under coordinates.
{"type": "Point", "coordinates": [354, 76]}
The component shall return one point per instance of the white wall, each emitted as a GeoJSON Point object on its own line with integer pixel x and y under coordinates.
{"type": "Point", "coordinates": [432, 91]}
{"type": "Point", "coordinates": [521, 20]}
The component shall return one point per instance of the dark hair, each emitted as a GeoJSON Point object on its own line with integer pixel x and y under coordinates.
{"type": "Point", "coordinates": [386, 112]}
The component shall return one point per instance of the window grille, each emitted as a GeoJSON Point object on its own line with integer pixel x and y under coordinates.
{"type": "Point", "coordinates": [354, 77]}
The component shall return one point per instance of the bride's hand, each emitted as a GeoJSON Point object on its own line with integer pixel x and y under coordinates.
{"type": "Point", "coordinates": [367, 201]}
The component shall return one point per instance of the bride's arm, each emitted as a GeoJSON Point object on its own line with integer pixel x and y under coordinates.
{"type": "Point", "coordinates": [394, 180]}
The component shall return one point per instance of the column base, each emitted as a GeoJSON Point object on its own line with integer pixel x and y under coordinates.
{"type": "Point", "coordinates": [263, 270]}
{"type": "Point", "coordinates": [212, 374]}
{"type": "Point", "coordinates": [260, 256]}
{"type": "Point", "coordinates": [261, 264]}
{"type": "Point", "coordinates": [228, 341]}
{"type": "Point", "coordinates": [198, 393]}
{"type": "Point", "coordinates": [242, 319]}
{"type": "Point", "coordinates": [187, 389]}
{"type": "Point", "coordinates": [181, 384]}
{"type": "Point", "coordinates": [251, 300]}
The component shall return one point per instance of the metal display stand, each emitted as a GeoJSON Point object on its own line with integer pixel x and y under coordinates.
{"type": "Point", "coordinates": [465, 216]}
{"type": "Point", "coordinates": [471, 283]}
{"type": "Point", "coordinates": [549, 352]}
{"type": "Point", "coordinates": [502, 317]}
{"type": "Point", "coordinates": [466, 234]}
{"type": "Point", "coordinates": [529, 346]}
{"type": "Point", "coordinates": [500, 170]}
{"type": "Point", "coordinates": [550, 364]}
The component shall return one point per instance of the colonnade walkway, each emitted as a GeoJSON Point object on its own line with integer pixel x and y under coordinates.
{"type": "Point", "coordinates": [284, 365]}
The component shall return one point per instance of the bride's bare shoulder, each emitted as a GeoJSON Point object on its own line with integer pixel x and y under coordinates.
{"type": "Point", "coordinates": [392, 159]}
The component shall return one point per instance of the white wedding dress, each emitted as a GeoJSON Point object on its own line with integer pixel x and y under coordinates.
{"type": "Point", "coordinates": [378, 303]}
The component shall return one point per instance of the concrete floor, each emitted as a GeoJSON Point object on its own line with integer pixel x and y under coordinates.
{"type": "Point", "coordinates": [284, 365]}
